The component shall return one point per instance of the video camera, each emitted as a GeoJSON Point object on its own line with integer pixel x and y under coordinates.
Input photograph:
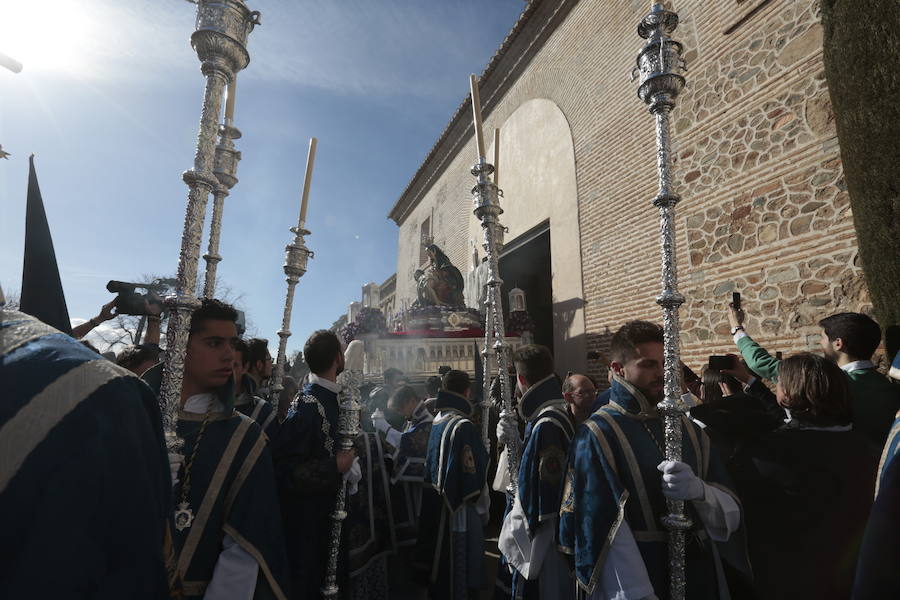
{"type": "Point", "coordinates": [130, 302]}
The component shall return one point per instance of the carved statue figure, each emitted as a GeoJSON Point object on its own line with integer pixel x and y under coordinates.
{"type": "Point", "coordinates": [440, 284]}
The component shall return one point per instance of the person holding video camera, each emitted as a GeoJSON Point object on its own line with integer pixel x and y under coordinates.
{"type": "Point", "coordinates": [107, 312]}
{"type": "Point", "coordinates": [849, 340]}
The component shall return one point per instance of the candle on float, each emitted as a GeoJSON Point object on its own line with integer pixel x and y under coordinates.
{"type": "Point", "coordinates": [229, 102]}
{"type": "Point", "coordinates": [307, 180]}
{"type": "Point", "coordinates": [476, 113]}
{"type": "Point", "coordinates": [496, 156]}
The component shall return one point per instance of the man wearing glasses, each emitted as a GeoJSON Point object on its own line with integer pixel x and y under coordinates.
{"type": "Point", "coordinates": [580, 394]}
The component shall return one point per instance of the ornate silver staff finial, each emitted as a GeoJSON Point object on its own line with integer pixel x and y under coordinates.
{"type": "Point", "coordinates": [296, 256]}
{"type": "Point", "coordinates": [350, 381]}
{"type": "Point", "coordinates": [486, 197]}
{"type": "Point", "coordinates": [225, 170]}
{"type": "Point", "coordinates": [658, 66]}
{"type": "Point", "coordinates": [220, 40]}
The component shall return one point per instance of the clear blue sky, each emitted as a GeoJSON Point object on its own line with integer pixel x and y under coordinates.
{"type": "Point", "coordinates": [109, 101]}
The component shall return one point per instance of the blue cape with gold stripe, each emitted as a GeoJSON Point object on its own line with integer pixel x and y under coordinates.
{"type": "Point", "coordinates": [612, 477]}
{"type": "Point", "coordinates": [232, 491]}
{"type": "Point", "coordinates": [85, 490]}
{"type": "Point", "coordinates": [455, 470]}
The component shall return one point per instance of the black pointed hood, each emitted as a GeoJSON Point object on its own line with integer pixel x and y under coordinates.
{"type": "Point", "coordinates": [42, 294]}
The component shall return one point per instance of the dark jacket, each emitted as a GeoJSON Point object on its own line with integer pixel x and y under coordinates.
{"type": "Point", "coordinates": [806, 496]}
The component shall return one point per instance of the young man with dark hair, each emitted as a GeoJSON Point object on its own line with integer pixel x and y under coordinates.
{"type": "Point", "coordinates": [259, 364]}
{"type": "Point", "coordinates": [246, 401]}
{"type": "Point", "coordinates": [432, 387]}
{"type": "Point", "coordinates": [409, 447]}
{"type": "Point", "coordinates": [138, 359]}
{"type": "Point", "coordinates": [527, 539]}
{"type": "Point", "coordinates": [380, 394]}
{"type": "Point", "coordinates": [850, 340]}
{"type": "Point", "coordinates": [232, 545]}
{"type": "Point", "coordinates": [309, 467]}
{"type": "Point", "coordinates": [450, 547]}
{"type": "Point", "coordinates": [612, 505]}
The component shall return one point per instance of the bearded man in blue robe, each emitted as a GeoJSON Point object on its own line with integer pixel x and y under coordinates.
{"type": "Point", "coordinates": [309, 468]}
{"type": "Point", "coordinates": [246, 401]}
{"type": "Point", "coordinates": [85, 489]}
{"type": "Point", "coordinates": [232, 545]}
{"type": "Point", "coordinates": [528, 538]}
{"type": "Point", "coordinates": [450, 546]}
{"type": "Point", "coordinates": [614, 497]}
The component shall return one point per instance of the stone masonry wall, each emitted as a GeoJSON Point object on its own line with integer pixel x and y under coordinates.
{"type": "Point", "coordinates": [764, 206]}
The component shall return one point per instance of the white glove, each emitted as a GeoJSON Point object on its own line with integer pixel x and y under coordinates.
{"type": "Point", "coordinates": [379, 421]}
{"type": "Point", "coordinates": [175, 461]}
{"type": "Point", "coordinates": [679, 481]}
{"type": "Point", "coordinates": [352, 477]}
{"type": "Point", "coordinates": [507, 432]}
{"type": "Point", "coordinates": [354, 356]}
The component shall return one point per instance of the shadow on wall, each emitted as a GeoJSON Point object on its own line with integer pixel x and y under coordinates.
{"type": "Point", "coordinates": [564, 315]}
{"type": "Point", "coordinates": [598, 356]}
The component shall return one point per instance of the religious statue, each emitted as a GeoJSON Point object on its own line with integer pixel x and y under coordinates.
{"type": "Point", "coordinates": [440, 283]}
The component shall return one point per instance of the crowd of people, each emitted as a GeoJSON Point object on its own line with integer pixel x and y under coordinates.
{"type": "Point", "coordinates": [786, 473]}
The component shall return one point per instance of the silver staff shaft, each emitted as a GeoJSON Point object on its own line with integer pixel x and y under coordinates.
{"type": "Point", "coordinates": [659, 65]}
{"type": "Point", "coordinates": [487, 209]}
{"type": "Point", "coordinates": [348, 429]}
{"type": "Point", "coordinates": [487, 370]}
{"type": "Point", "coordinates": [225, 170]}
{"type": "Point", "coordinates": [220, 40]}
{"type": "Point", "coordinates": [296, 256]}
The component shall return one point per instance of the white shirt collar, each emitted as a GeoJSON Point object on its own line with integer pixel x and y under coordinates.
{"type": "Point", "coordinates": [201, 403]}
{"type": "Point", "coordinates": [331, 386]}
{"type": "Point", "coordinates": [856, 365]}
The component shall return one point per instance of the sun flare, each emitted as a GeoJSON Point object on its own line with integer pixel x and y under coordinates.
{"type": "Point", "coordinates": [47, 35]}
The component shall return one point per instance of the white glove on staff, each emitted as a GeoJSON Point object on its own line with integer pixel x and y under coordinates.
{"type": "Point", "coordinates": [507, 431]}
{"type": "Point", "coordinates": [679, 481]}
{"type": "Point", "coordinates": [175, 461]}
{"type": "Point", "coordinates": [353, 476]}
{"type": "Point", "coordinates": [379, 421]}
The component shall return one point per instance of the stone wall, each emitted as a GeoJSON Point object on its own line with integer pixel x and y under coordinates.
{"type": "Point", "coordinates": [765, 208]}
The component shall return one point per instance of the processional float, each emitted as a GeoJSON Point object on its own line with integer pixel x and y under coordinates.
{"type": "Point", "coordinates": [486, 196]}
{"type": "Point", "coordinates": [220, 40]}
{"type": "Point", "coordinates": [296, 256]}
{"type": "Point", "coordinates": [659, 65]}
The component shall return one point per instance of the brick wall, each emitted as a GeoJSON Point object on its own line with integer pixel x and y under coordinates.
{"type": "Point", "coordinates": [764, 206]}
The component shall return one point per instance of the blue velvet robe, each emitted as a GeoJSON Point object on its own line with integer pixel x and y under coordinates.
{"type": "Point", "coordinates": [85, 490]}
{"type": "Point", "coordinates": [409, 476]}
{"type": "Point", "coordinates": [612, 476]}
{"type": "Point", "coordinates": [262, 412]}
{"type": "Point", "coordinates": [548, 432]}
{"type": "Point", "coordinates": [308, 481]}
{"type": "Point", "coordinates": [232, 491]}
{"type": "Point", "coordinates": [455, 471]}
{"type": "Point", "coordinates": [369, 526]}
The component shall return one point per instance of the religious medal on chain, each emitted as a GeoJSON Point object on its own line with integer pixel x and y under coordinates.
{"type": "Point", "coordinates": [184, 516]}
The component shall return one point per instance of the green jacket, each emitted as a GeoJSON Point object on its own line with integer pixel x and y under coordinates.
{"type": "Point", "coordinates": [874, 399]}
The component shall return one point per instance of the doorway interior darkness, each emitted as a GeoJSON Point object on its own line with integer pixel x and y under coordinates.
{"type": "Point", "coordinates": [525, 263]}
